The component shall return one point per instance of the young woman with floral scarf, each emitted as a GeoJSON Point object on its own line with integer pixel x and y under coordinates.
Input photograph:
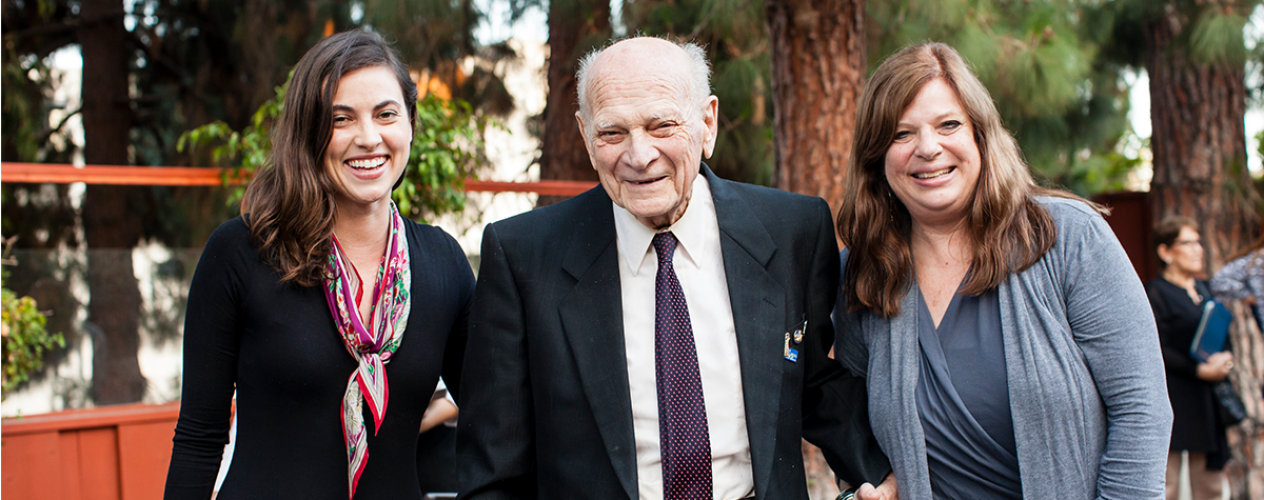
{"type": "Point", "coordinates": [330, 315]}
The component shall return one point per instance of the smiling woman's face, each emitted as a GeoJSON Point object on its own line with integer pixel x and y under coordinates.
{"type": "Point", "coordinates": [371, 136]}
{"type": "Point", "coordinates": [933, 165]}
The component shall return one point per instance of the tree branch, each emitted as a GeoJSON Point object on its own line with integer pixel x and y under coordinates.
{"type": "Point", "coordinates": [44, 138]}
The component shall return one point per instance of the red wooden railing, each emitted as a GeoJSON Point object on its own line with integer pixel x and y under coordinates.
{"type": "Point", "coordinates": [107, 453]}
{"type": "Point", "coordinates": [201, 176]}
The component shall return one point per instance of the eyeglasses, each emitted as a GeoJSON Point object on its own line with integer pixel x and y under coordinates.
{"type": "Point", "coordinates": [1181, 243]}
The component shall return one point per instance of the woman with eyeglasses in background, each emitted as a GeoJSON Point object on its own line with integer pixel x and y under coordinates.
{"type": "Point", "coordinates": [1177, 296]}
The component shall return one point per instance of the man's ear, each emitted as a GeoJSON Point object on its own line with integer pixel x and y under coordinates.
{"type": "Point", "coordinates": [710, 118]}
{"type": "Point", "coordinates": [583, 132]}
{"type": "Point", "coordinates": [579, 120]}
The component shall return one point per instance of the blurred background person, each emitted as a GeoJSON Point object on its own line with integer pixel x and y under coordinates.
{"type": "Point", "coordinates": [1243, 278]}
{"type": "Point", "coordinates": [1177, 297]}
{"type": "Point", "coordinates": [1005, 339]}
{"type": "Point", "coordinates": [322, 301]}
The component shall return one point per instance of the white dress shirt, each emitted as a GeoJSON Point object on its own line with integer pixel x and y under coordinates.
{"type": "Point", "coordinates": [699, 266]}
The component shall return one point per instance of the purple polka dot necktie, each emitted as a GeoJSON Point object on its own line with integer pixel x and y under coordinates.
{"type": "Point", "coordinates": [682, 414]}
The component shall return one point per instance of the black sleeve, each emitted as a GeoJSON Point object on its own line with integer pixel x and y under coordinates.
{"type": "Point", "coordinates": [454, 353]}
{"type": "Point", "coordinates": [495, 430]}
{"type": "Point", "coordinates": [1175, 358]}
{"type": "Point", "coordinates": [212, 333]}
{"type": "Point", "coordinates": [835, 402]}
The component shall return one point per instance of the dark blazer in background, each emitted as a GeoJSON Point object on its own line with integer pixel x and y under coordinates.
{"type": "Point", "coordinates": [1194, 424]}
{"type": "Point", "coordinates": [546, 411]}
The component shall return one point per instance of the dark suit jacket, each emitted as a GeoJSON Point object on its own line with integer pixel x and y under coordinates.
{"type": "Point", "coordinates": [546, 411]}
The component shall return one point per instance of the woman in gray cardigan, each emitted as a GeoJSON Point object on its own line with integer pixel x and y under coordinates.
{"type": "Point", "coordinates": [1007, 343]}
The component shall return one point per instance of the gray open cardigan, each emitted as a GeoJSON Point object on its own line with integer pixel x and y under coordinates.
{"type": "Point", "coordinates": [1087, 391]}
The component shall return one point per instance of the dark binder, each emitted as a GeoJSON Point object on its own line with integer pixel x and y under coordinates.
{"type": "Point", "coordinates": [1213, 330]}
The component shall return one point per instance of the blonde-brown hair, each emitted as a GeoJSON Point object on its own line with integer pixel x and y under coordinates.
{"type": "Point", "coordinates": [1010, 230]}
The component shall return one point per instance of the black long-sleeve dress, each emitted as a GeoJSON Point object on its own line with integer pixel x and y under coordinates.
{"type": "Point", "coordinates": [277, 346]}
{"type": "Point", "coordinates": [1194, 426]}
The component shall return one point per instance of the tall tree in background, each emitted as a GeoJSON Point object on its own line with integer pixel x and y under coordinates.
{"type": "Point", "coordinates": [1194, 53]}
{"type": "Point", "coordinates": [818, 73]}
{"type": "Point", "coordinates": [108, 210]}
{"type": "Point", "coordinates": [575, 27]}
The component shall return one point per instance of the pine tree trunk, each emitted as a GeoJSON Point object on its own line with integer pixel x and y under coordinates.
{"type": "Point", "coordinates": [110, 229]}
{"type": "Point", "coordinates": [1199, 145]}
{"type": "Point", "coordinates": [1199, 141]}
{"type": "Point", "coordinates": [1246, 469]}
{"type": "Point", "coordinates": [818, 72]}
{"type": "Point", "coordinates": [575, 27]}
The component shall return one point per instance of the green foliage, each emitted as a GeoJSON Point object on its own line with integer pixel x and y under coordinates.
{"type": "Point", "coordinates": [1218, 38]}
{"type": "Point", "coordinates": [25, 337]}
{"type": "Point", "coordinates": [1211, 31]}
{"type": "Point", "coordinates": [447, 147]}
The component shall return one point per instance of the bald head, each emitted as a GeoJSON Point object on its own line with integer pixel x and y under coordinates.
{"type": "Point", "coordinates": [685, 64]}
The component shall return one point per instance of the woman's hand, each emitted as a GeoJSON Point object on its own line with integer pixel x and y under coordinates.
{"type": "Point", "coordinates": [440, 410]}
{"type": "Point", "coordinates": [1216, 368]}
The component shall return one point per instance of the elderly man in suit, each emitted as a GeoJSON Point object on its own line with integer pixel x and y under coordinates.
{"type": "Point", "coordinates": [665, 334]}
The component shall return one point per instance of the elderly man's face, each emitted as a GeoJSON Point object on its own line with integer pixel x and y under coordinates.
{"type": "Point", "coordinates": [645, 136]}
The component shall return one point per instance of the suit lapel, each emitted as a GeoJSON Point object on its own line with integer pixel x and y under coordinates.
{"type": "Point", "coordinates": [592, 317]}
{"type": "Point", "coordinates": [758, 303]}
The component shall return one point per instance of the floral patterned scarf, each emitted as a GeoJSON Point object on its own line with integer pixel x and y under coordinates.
{"type": "Point", "coordinates": [371, 345]}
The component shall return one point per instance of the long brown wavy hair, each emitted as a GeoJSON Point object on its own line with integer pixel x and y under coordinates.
{"type": "Point", "coordinates": [290, 202]}
{"type": "Point", "coordinates": [1010, 230]}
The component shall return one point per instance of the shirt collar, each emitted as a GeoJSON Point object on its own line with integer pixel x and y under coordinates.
{"type": "Point", "coordinates": [696, 230]}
